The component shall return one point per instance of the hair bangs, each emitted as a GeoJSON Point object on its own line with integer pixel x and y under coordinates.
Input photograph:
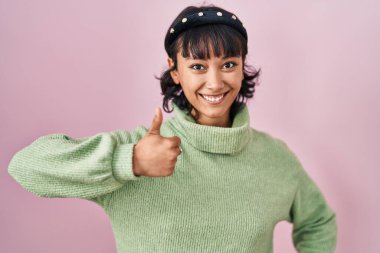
{"type": "Point", "coordinates": [219, 40]}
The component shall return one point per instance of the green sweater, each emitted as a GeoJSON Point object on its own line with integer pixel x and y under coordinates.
{"type": "Point", "coordinates": [229, 189]}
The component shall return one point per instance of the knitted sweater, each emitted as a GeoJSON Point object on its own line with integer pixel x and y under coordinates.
{"type": "Point", "coordinates": [229, 189]}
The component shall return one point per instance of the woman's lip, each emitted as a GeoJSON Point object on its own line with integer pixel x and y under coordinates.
{"type": "Point", "coordinates": [215, 102]}
{"type": "Point", "coordinates": [214, 95]}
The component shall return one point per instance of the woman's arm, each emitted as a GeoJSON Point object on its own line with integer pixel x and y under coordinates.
{"type": "Point", "coordinates": [57, 165]}
{"type": "Point", "coordinates": [314, 222]}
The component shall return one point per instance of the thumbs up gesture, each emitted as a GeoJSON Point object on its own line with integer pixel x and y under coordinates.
{"type": "Point", "coordinates": [155, 155]}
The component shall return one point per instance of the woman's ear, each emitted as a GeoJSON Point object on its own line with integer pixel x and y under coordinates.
{"type": "Point", "coordinates": [173, 73]}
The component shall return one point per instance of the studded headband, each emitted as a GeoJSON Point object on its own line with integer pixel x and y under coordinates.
{"type": "Point", "coordinates": [203, 18]}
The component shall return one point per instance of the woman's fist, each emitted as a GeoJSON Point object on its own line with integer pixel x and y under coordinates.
{"type": "Point", "coordinates": [155, 155]}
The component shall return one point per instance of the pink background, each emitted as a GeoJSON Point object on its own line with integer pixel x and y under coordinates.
{"type": "Point", "coordinates": [83, 67]}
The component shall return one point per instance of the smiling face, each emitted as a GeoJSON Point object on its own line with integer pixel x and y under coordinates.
{"type": "Point", "coordinates": [210, 85]}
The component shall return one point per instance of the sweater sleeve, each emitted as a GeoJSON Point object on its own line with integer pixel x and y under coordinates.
{"type": "Point", "coordinates": [59, 166]}
{"type": "Point", "coordinates": [314, 222]}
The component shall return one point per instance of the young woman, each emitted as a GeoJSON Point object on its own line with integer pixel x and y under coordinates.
{"type": "Point", "coordinates": [202, 181]}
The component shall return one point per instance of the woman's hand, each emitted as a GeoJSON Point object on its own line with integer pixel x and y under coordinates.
{"type": "Point", "coordinates": [154, 155]}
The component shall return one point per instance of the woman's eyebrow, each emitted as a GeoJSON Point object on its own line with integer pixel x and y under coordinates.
{"type": "Point", "coordinates": [226, 57]}
{"type": "Point", "coordinates": [202, 59]}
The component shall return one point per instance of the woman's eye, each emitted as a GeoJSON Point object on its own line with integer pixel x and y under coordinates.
{"type": "Point", "coordinates": [197, 67]}
{"type": "Point", "coordinates": [230, 64]}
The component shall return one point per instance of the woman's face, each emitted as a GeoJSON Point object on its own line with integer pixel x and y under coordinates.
{"type": "Point", "coordinates": [210, 85]}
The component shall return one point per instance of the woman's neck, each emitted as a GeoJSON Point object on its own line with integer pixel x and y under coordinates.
{"type": "Point", "coordinates": [218, 122]}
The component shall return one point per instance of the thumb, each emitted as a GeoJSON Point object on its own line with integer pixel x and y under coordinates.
{"type": "Point", "coordinates": [156, 123]}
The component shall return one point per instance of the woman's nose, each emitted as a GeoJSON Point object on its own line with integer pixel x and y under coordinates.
{"type": "Point", "coordinates": [214, 80]}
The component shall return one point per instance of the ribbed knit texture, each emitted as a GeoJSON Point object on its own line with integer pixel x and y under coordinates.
{"type": "Point", "coordinates": [229, 189]}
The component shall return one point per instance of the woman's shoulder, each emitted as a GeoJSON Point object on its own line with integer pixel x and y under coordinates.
{"type": "Point", "coordinates": [267, 137]}
{"type": "Point", "coordinates": [278, 145]}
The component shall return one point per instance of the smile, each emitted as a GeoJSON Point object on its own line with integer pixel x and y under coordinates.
{"type": "Point", "coordinates": [214, 99]}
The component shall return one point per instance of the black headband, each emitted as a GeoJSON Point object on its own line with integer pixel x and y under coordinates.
{"type": "Point", "coordinates": [203, 18]}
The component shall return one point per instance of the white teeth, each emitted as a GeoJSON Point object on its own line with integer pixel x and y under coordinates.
{"type": "Point", "coordinates": [213, 99]}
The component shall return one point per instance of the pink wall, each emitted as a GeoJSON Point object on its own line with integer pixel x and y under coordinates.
{"type": "Point", "coordinates": [82, 67]}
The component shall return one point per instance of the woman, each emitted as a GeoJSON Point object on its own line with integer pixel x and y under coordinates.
{"type": "Point", "coordinates": [202, 181]}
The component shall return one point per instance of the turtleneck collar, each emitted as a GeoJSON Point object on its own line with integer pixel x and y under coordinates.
{"type": "Point", "coordinates": [213, 139]}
